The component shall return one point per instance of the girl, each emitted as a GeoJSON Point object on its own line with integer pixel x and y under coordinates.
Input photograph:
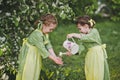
{"type": "Point", "coordinates": [96, 66]}
{"type": "Point", "coordinates": [36, 47]}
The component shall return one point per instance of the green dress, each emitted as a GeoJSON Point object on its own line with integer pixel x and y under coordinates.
{"type": "Point", "coordinates": [96, 66]}
{"type": "Point", "coordinates": [34, 48]}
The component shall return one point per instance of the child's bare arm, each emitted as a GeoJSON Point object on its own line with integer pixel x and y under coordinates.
{"type": "Point", "coordinates": [75, 35]}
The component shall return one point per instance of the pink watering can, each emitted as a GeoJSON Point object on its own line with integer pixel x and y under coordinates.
{"type": "Point", "coordinates": [71, 46]}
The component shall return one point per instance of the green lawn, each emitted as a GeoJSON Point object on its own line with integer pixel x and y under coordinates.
{"type": "Point", "coordinates": [73, 68]}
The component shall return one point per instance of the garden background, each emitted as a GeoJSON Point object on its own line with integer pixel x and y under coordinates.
{"type": "Point", "coordinates": [16, 22]}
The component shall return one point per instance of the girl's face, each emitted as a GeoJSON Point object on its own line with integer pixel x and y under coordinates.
{"type": "Point", "coordinates": [83, 28]}
{"type": "Point", "coordinates": [49, 28]}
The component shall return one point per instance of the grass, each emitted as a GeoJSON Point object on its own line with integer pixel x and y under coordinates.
{"type": "Point", "coordinates": [74, 65]}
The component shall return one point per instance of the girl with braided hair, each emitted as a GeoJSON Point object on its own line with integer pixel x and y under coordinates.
{"type": "Point", "coordinates": [35, 47]}
{"type": "Point", "coordinates": [96, 66]}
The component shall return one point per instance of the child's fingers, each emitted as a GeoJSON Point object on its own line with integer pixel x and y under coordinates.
{"type": "Point", "coordinates": [59, 58]}
{"type": "Point", "coordinates": [59, 62]}
{"type": "Point", "coordinates": [68, 53]}
{"type": "Point", "coordinates": [70, 35]}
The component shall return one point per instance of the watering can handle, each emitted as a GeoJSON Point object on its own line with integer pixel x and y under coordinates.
{"type": "Point", "coordinates": [72, 40]}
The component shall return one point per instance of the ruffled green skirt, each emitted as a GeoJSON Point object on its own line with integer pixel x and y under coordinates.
{"type": "Point", "coordinates": [29, 63]}
{"type": "Point", "coordinates": [96, 67]}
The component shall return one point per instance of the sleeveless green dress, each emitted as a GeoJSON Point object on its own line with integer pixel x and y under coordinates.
{"type": "Point", "coordinates": [96, 66]}
{"type": "Point", "coordinates": [34, 48]}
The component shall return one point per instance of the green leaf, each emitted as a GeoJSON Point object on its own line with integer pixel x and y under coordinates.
{"type": "Point", "coordinates": [1, 52]}
{"type": "Point", "coordinates": [16, 21]}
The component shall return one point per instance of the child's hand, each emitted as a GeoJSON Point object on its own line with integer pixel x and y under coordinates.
{"type": "Point", "coordinates": [70, 35]}
{"type": "Point", "coordinates": [58, 60]}
{"type": "Point", "coordinates": [68, 53]}
{"type": "Point", "coordinates": [75, 35]}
